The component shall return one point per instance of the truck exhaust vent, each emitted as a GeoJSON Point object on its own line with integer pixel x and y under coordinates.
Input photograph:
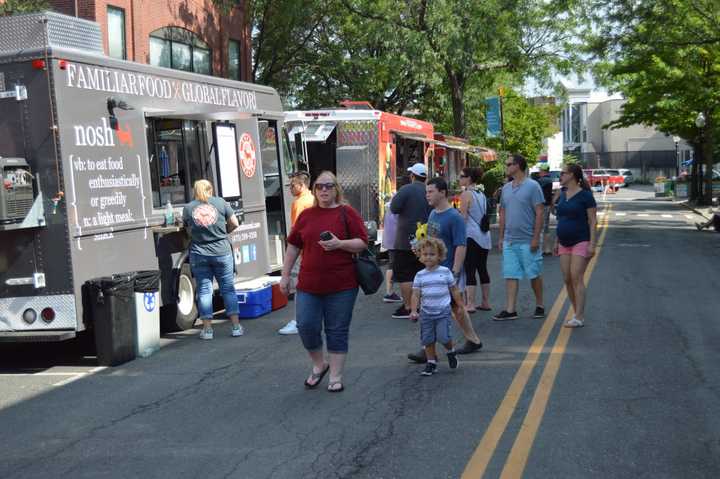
{"type": "Point", "coordinates": [28, 31]}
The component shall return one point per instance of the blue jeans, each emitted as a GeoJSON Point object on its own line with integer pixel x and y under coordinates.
{"type": "Point", "coordinates": [221, 267]}
{"type": "Point", "coordinates": [332, 311]}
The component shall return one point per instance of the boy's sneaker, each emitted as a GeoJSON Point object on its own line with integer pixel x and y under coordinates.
{"type": "Point", "coordinates": [237, 331]}
{"type": "Point", "coordinates": [206, 334]}
{"type": "Point", "coordinates": [452, 359]}
{"type": "Point", "coordinates": [539, 312]}
{"type": "Point", "coordinates": [401, 313]}
{"type": "Point", "coordinates": [392, 298]}
{"type": "Point", "coordinates": [430, 369]}
{"type": "Point", "coordinates": [505, 316]}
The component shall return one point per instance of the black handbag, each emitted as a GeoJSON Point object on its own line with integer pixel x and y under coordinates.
{"type": "Point", "coordinates": [367, 272]}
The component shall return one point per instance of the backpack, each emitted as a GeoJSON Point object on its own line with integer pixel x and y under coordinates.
{"type": "Point", "coordinates": [484, 222]}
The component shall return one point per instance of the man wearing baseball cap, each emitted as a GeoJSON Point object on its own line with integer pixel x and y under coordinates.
{"type": "Point", "coordinates": [411, 208]}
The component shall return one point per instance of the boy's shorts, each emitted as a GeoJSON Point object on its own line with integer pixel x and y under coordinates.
{"type": "Point", "coordinates": [435, 328]}
{"type": "Point", "coordinates": [521, 263]}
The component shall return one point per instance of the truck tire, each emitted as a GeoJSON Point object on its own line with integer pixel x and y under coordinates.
{"type": "Point", "coordinates": [182, 315]}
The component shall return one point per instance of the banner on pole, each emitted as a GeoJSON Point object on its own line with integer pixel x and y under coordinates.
{"type": "Point", "coordinates": [493, 117]}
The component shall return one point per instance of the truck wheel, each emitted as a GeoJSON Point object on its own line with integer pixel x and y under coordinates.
{"type": "Point", "coordinates": [183, 314]}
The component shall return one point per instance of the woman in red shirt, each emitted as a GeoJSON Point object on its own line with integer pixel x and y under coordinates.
{"type": "Point", "coordinates": [327, 287]}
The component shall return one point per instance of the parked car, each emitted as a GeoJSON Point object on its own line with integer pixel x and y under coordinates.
{"type": "Point", "coordinates": [601, 177]}
{"type": "Point", "coordinates": [628, 175]}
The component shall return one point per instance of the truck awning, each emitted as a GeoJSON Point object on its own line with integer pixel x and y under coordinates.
{"type": "Point", "coordinates": [413, 136]}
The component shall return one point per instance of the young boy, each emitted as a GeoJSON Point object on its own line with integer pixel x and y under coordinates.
{"type": "Point", "coordinates": [432, 288]}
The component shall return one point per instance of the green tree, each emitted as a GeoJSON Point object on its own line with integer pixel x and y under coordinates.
{"type": "Point", "coordinates": [525, 126]}
{"type": "Point", "coordinates": [471, 44]}
{"type": "Point", "coordinates": [12, 7]}
{"type": "Point", "coordinates": [664, 57]}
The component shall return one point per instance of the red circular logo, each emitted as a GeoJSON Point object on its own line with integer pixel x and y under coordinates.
{"type": "Point", "coordinates": [248, 160]}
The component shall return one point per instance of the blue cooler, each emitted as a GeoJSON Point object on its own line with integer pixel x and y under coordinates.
{"type": "Point", "coordinates": [254, 299]}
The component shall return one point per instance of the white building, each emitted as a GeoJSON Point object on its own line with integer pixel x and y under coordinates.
{"type": "Point", "coordinates": [645, 150]}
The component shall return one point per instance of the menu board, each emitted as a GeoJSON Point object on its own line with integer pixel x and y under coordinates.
{"type": "Point", "coordinates": [227, 158]}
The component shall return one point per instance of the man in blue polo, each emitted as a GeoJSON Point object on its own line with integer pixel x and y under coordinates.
{"type": "Point", "coordinates": [521, 222]}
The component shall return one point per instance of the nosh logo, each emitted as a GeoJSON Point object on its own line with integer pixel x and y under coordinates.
{"type": "Point", "coordinates": [102, 135]}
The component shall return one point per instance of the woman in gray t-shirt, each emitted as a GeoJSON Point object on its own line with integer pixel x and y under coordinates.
{"type": "Point", "coordinates": [473, 206]}
{"type": "Point", "coordinates": [210, 219]}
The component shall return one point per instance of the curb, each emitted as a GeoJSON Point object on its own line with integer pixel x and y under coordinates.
{"type": "Point", "coordinates": [693, 209]}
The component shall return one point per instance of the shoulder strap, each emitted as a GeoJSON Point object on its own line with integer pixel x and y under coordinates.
{"type": "Point", "coordinates": [475, 197]}
{"type": "Point", "coordinates": [345, 221]}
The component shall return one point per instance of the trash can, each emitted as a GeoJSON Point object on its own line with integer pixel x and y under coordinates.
{"type": "Point", "coordinates": [147, 312]}
{"type": "Point", "coordinates": [113, 313]}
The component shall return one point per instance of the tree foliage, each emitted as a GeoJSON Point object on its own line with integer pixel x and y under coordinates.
{"type": "Point", "coordinates": [12, 7]}
{"type": "Point", "coordinates": [664, 57]}
{"type": "Point", "coordinates": [526, 126]}
{"type": "Point", "coordinates": [438, 58]}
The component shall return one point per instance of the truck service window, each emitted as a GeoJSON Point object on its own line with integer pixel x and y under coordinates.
{"type": "Point", "coordinates": [178, 159]}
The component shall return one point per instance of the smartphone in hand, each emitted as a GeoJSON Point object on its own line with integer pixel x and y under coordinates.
{"type": "Point", "coordinates": [325, 236]}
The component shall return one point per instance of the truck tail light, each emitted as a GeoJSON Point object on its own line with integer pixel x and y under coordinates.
{"type": "Point", "coordinates": [38, 64]}
{"type": "Point", "coordinates": [29, 316]}
{"type": "Point", "coordinates": [47, 314]}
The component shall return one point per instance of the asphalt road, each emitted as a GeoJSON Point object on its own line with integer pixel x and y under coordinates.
{"type": "Point", "coordinates": [633, 394]}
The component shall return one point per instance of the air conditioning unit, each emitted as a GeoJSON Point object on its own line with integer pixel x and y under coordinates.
{"type": "Point", "coordinates": [17, 194]}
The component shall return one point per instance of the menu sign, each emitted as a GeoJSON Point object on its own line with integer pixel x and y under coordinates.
{"type": "Point", "coordinates": [107, 187]}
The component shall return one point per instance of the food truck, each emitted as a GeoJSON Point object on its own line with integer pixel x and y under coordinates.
{"type": "Point", "coordinates": [98, 157]}
{"type": "Point", "coordinates": [369, 151]}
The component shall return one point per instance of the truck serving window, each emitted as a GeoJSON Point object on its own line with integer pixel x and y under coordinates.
{"type": "Point", "coordinates": [179, 159]}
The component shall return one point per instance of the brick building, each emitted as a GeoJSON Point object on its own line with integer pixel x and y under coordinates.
{"type": "Point", "coordinates": [190, 35]}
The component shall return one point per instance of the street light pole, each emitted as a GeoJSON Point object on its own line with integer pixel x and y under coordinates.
{"type": "Point", "coordinates": [697, 182]}
{"type": "Point", "coordinates": [676, 139]}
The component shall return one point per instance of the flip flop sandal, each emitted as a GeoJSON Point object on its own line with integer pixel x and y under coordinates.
{"type": "Point", "coordinates": [471, 311]}
{"type": "Point", "coordinates": [317, 377]}
{"type": "Point", "coordinates": [335, 390]}
{"type": "Point", "coordinates": [484, 309]}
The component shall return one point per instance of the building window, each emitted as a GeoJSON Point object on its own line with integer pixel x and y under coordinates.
{"type": "Point", "coordinates": [177, 48]}
{"type": "Point", "coordinates": [234, 60]}
{"type": "Point", "coordinates": [116, 33]}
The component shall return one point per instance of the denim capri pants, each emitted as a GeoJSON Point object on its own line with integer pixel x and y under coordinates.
{"type": "Point", "coordinates": [435, 328]}
{"type": "Point", "coordinates": [330, 312]}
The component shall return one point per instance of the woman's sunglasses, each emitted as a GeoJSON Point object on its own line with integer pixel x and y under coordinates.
{"type": "Point", "coordinates": [324, 186]}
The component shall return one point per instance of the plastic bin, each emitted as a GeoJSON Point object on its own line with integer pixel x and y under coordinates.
{"type": "Point", "coordinates": [254, 299]}
{"type": "Point", "coordinates": [147, 312]}
{"type": "Point", "coordinates": [113, 313]}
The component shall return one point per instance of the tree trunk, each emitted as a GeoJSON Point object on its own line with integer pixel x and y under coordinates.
{"type": "Point", "coordinates": [456, 82]}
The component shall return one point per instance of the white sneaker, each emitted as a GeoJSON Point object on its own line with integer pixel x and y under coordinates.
{"type": "Point", "coordinates": [237, 331]}
{"type": "Point", "coordinates": [206, 334]}
{"type": "Point", "coordinates": [289, 328]}
{"type": "Point", "coordinates": [574, 323]}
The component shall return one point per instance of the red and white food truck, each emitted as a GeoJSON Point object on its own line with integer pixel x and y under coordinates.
{"type": "Point", "coordinates": [369, 151]}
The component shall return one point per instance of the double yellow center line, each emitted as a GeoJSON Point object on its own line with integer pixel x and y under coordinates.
{"type": "Point", "coordinates": [517, 460]}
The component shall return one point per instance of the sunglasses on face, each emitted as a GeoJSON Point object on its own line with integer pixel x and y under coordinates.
{"type": "Point", "coordinates": [324, 186]}
{"type": "Point", "coordinates": [463, 176]}
{"type": "Point", "coordinates": [509, 164]}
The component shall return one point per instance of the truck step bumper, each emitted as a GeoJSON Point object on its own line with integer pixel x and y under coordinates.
{"type": "Point", "coordinates": [35, 336]}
